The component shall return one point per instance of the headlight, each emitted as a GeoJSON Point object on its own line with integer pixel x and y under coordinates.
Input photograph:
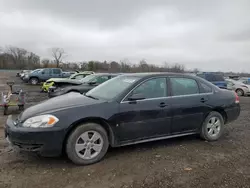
{"type": "Point", "coordinates": [42, 121]}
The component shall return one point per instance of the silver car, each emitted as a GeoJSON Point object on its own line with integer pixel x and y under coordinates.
{"type": "Point", "coordinates": [239, 87]}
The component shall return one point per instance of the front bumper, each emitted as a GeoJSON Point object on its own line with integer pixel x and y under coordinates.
{"type": "Point", "coordinates": [45, 141]}
{"type": "Point", "coordinates": [25, 79]}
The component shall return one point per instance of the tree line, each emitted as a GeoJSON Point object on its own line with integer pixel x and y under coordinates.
{"type": "Point", "coordinates": [12, 57]}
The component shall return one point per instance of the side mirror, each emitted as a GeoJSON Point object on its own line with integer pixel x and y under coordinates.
{"type": "Point", "coordinates": [138, 96]}
{"type": "Point", "coordinates": [42, 72]}
{"type": "Point", "coordinates": [73, 78]}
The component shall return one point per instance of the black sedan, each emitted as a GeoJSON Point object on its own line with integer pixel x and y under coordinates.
{"type": "Point", "coordinates": [128, 109]}
{"type": "Point", "coordinates": [83, 85]}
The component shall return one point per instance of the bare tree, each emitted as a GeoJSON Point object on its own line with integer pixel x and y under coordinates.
{"type": "Point", "coordinates": [16, 54]}
{"type": "Point", "coordinates": [58, 54]}
{"type": "Point", "coordinates": [45, 63]}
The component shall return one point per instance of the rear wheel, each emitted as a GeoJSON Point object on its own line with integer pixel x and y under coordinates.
{"type": "Point", "coordinates": [240, 92]}
{"type": "Point", "coordinates": [87, 144]}
{"type": "Point", "coordinates": [212, 127]}
{"type": "Point", "coordinates": [34, 81]}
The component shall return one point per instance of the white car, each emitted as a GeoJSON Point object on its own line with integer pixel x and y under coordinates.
{"type": "Point", "coordinates": [239, 87]}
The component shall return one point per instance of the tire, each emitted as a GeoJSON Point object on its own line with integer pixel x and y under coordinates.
{"type": "Point", "coordinates": [21, 107]}
{"type": "Point", "coordinates": [34, 81]}
{"type": "Point", "coordinates": [85, 130]}
{"type": "Point", "coordinates": [240, 92]}
{"type": "Point", "coordinates": [207, 132]}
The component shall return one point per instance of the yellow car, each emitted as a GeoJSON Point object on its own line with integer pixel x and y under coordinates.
{"type": "Point", "coordinates": [52, 81]}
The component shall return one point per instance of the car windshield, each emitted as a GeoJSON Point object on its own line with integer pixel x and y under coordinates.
{"type": "Point", "coordinates": [88, 78]}
{"type": "Point", "coordinates": [37, 70]}
{"type": "Point", "coordinates": [73, 75]}
{"type": "Point", "coordinates": [112, 88]}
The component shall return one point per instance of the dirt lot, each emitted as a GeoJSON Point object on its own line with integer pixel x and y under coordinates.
{"type": "Point", "coordinates": [183, 162]}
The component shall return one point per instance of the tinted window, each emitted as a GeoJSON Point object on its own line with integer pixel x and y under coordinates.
{"type": "Point", "coordinates": [183, 86]}
{"type": "Point", "coordinates": [47, 71]}
{"type": "Point", "coordinates": [214, 77]}
{"type": "Point", "coordinates": [79, 76]}
{"type": "Point", "coordinates": [100, 79]}
{"type": "Point", "coordinates": [56, 71]}
{"type": "Point", "coordinates": [153, 88]}
{"type": "Point", "coordinates": [113, 87]}
{"type": "Point", "coordinates": [205, 88]}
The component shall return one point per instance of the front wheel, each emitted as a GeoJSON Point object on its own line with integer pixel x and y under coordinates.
{"type": "Point", "coordinates": [87, 144]}
{"type": "Point", "coordinates": [212, 127]}
{"type": "Point", "coordinates": [34, 81]}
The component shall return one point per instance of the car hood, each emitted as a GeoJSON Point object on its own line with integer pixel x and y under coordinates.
{"type": "Point", "coordinates": [65, 80]}
{"type": "Point", "coordinates": [69, 100]}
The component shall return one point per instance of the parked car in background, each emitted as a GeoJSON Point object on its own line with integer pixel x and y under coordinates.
{"type": "Point", "coordinates": [245, 81]}
{"type": "Point", "coordinates": [36, 77]}
{"type": "Point", "coordinates": [61, 82]}
{"type": "Point", "coordinates": [83, 85]}
{"type": "Point", "coordinates": [19, 73]}
{"type": "Point", "coordinates": [234, 77]}
{"type": "Point", "coordinates": [24, 73]}
{"type": "Point", "coordinates": [215, 78]}
{"type": "Point", "coordinates": [239, 87]}
{"type": "Point", "coordinates": [127, 109]}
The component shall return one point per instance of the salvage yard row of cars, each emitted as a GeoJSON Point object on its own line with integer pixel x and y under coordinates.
{"type": "Point", "coordinates": [56, 82]}
{"type": "Point", "coordinates": [122, 109]}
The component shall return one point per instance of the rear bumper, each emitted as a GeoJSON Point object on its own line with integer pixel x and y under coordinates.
{"type": "Point", "coordinates": [47, 142]}
{"type": "Point", "coordinates": [232, 113]}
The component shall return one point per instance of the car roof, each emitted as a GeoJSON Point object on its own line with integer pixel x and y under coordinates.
{"type": "Point", "coordinates": [152, 74]}
{"type": "Point", "coordinates": [103, 74]}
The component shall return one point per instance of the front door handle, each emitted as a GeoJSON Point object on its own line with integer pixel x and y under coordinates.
{"type": "Point", "coordinates": [203, 100]}
{"type": "Point", "coordinates": [162, 104]}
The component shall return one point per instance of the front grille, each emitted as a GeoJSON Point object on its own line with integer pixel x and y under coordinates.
{"type": "Point", "coordinates": [27, 147]}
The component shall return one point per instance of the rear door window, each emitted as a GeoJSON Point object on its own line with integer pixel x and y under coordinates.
{"type": "Point", "coordinates": [184, 86]}
{"type": "Point", "coordinates": [56, 71]}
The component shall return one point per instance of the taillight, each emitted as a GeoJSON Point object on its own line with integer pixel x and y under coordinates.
{"type": "Point", "coordinates": [237, 98]}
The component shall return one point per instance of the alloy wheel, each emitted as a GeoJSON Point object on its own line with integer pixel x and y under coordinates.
{"type": "Point", "coordinates": [214, 126]}
{"type": "Point", "coordinates": [89, 145]}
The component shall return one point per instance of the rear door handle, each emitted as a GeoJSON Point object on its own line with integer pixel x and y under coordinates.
{"type": "Point", "coordinates": [203, 100]}
{"type": "Point", "coordinates": [162, 104]}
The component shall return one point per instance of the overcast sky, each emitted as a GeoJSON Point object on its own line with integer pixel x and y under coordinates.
{"type": "Point", "coordinates": [208, 34]}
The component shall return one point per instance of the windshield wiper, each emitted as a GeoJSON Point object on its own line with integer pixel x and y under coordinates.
{"type": "Point", "coordinates": [91, 97]}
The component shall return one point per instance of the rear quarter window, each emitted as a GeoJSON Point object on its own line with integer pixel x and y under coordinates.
{"type": "Point", "coordinates": [204, 88]}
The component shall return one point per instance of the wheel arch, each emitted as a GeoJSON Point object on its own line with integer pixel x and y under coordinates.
{"type": "Point", "coordinates": [34, 77]}
{"type": "Point", "coordinates": [222, 113]}
{"type": "Point", "coordinates": [102, 122]}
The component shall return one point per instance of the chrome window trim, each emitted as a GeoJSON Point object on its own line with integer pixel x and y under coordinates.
{"type": "Point", "coordinates": [166, 77]}
{"type": "Point", "coordinates": [169, 97]}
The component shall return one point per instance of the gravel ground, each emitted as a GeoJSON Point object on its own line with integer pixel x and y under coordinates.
{"type": "Point", "coordinates": [182, 162]}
